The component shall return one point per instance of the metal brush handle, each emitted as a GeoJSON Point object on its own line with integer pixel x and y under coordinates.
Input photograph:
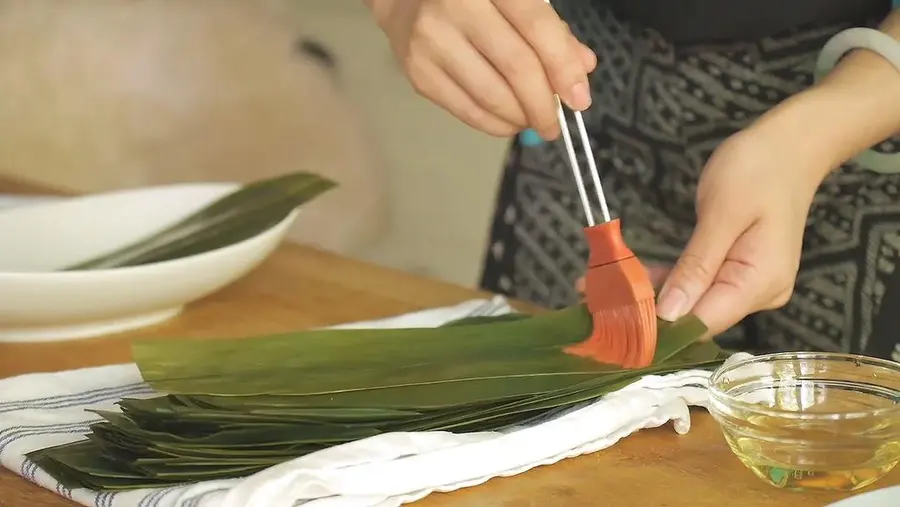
{"type": "Point", "coordinates": [576, 168]}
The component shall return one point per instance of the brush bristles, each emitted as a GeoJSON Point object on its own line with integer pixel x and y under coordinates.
{"type": "Point", "coordinates": [624, 335]}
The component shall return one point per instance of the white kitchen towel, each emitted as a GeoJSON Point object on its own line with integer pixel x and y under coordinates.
{"type": "Point", "coordinates": [45, 409]}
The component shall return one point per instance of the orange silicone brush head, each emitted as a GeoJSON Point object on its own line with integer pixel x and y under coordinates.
{"type": "Point", "coordinates": [621, 300]}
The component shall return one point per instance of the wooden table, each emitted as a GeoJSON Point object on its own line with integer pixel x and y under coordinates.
{"type": "Point", "coordinates": [301, 287]}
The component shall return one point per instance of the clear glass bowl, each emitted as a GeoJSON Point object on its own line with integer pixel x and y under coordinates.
{"type": "Point", "coordinates": [810, 420]}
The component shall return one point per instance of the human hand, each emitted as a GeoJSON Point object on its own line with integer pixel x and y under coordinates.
{"type": "Point", "coordinates": [753, 199]}
{"type": "Point", "coordinates": [494, 64]}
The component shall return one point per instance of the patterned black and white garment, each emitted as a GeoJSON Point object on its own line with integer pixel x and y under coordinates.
{"type": "Point", "coordinates": [659, 111]}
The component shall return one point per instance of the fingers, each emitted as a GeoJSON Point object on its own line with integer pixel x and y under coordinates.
{"type": "Point", "coordinates": [749, 280]}
{"type": "Point", "coordinates": [495, 64]}
{"type": "Point", "coordinates": [439, 45]}
{"type": "Point", "coordinates": [586, 54]}
{"type": "Point", "coordinates": [433, 83]}
{"type": "Point", "coordinates": [725, 303]}
{"type": "Point", "coordinates": [551, 40]}
{"type": "Point", "coordinates": [733, 295]}
{"type": "Point", "coordinates": [697, 267]}
{"type": "Point", "coordinates": [519, 64]}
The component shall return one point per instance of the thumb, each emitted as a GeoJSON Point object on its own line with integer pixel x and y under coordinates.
{"type": "Point", "coordinates": [697, 267]}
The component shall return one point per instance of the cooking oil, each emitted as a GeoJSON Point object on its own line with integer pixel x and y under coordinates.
{"type": "Point", "coordinates": [845, 470]}
{"type": "Point", "coordinates": [825, 448]}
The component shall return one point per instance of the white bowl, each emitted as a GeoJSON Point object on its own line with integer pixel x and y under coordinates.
{"type": "Point", "coordinates": [38, 303]}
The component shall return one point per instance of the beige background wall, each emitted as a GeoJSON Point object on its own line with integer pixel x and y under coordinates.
{"type": "Point", "coordinates": [443, 176]}
{"type": "Point", "coordinates": [440, 176]}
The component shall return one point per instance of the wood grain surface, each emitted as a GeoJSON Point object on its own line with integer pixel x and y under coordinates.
{"type": "Point", "coordinates": [300, 287]}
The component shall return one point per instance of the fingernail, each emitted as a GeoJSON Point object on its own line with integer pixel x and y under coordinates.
{"type": "Point", "coordinates": [550, 133]}
{"type": "Point", "coordinates": [580, 96]}
{"type": "Point", "coordinates": [672, 304]}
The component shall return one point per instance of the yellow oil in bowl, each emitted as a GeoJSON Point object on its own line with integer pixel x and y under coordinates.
{"type": "Point", "coordinates": [811, 420]}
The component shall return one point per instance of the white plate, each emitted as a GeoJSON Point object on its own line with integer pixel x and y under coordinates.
{"type": "Point", "coordinates": [38, 303]}
{"type": "Point", "coordinates": [885, 497]}
{"type": "Point", "coordinates": [11, 201]}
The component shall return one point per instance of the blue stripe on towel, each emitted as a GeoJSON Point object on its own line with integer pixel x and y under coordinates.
{"type": "Point", "coordinates": [78, 399]}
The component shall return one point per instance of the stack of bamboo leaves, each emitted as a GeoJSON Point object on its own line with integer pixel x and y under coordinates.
{"type": "Point", "coordinates": [229, 408]}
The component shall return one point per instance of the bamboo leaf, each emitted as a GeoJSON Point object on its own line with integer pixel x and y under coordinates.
{"type": "Point", "coordinates": [331, 361]}
{"type": "Point", "coordinates": [673, 337]}
{"type": "Point", "coordinates": [234, 407]}
{"type": "Point", "coordinates": [487, 319]}
{"type": "Point", "coordinates": [240, 215]}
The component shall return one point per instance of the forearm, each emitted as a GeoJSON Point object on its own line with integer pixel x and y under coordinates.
{"type": "Point", "coordinates": [855, 107]}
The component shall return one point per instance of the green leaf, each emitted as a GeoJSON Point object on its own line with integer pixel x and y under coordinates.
{"type": "Point", "coordinates": [240, 215]}
{"type": "Point", "coordinates": [333, 361]}
{"type": "Point", "coordinates": [487, 319]}
{"type": "Point", "coordinates": [234, 407]}
{"type": "Point", "coordinates": [673, 337]}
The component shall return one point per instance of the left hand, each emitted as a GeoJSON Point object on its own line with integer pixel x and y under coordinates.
{"type": "Point", "coordinates": [753, 199]}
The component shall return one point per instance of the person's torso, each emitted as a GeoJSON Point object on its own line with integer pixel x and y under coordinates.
{"type": "Point", "coordinates": [693, 21]}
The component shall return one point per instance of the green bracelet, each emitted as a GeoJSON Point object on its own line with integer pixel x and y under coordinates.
{"type": "Point", "coordinates": [889, 49]}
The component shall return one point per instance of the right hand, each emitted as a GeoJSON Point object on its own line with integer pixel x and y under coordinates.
{"type": "Point", "coordinates": [494, 64]}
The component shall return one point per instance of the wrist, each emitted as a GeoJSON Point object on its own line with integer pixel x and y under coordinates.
{"type": "Point", "coordinates": [807, 132]}
{"type": "Point", "coordinates": [856, 104]}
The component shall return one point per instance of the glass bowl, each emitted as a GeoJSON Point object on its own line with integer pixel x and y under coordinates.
{"type": "Point", "coordinates": [810, 420]}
